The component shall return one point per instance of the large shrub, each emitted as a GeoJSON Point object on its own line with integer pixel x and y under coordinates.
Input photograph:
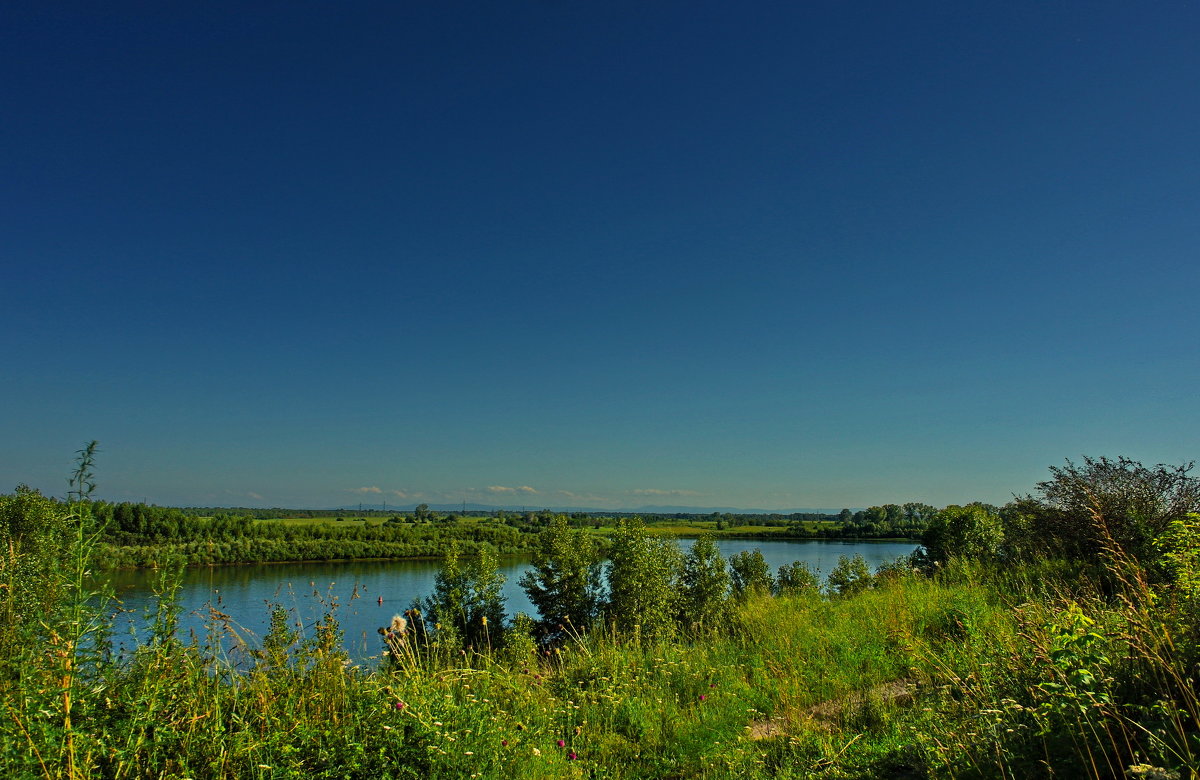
{"type": "Point", "coordinates": [1112, 512]}
{"type": "Point", "coordinates": [972, 531]}
{"type": "Point", "coordinates": [705, 585]}
{"type": "Point", "coordinates": [643, 580]}
{"type": "Point", "coordinates": [564, 584]}
{"type": "Point", "coordinates": [36, 544]}
{"type": "Point", "coordinates": [750, 574]}
{"type": "Point", "coordinates": [467, 604]}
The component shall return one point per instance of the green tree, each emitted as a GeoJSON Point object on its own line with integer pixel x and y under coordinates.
{"type": "Point", "coordinates": [796, 577]}
{"type": "Point", "coordinates": [850, 576]}
{"type": "Point", "coordinates": [643, 578]}
{"type": "Point", "coordinates": [1112, 511]}
{"type": "Point", "coordinates": [749, 574]}
{"type": "Point", "coordinates": [705, 585]}
{"type": "Point", "coordinates": [564, 583]}
{"type": "Point", "coordinates": [468, 600]}
{"type": "Point", "coordinates": [972, 531]}
{"type": "Point", "coordinates": [917, 515]}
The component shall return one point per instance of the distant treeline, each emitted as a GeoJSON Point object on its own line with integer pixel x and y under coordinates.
{"type": "Point", "coordinates": [142, 535]}
{"type": "Point", "coordinates": [890, 521]}
{"type": "Point", "coordinates": [887, 521]}
{"type": "Point", "coordinates": [136, 535]}
{"type": "Point", "coordinates": [258, 513]}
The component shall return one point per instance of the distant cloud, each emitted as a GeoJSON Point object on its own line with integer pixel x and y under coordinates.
{"type": "Point", "coordinates": [366, 490]}
{"type": "Point", "coordinates": [398, 493]}
{"type": "Point", "coordinates": [254, 495]}
{"type": "Point", "coordinates": [504, 490]}
{"type": "Point", "coordinates": [662, 493]}
{"type": "Point", "coordinates": [589, 497]}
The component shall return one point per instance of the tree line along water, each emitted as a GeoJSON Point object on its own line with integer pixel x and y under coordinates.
{"type": "Point", "coordinates": [306, 589]}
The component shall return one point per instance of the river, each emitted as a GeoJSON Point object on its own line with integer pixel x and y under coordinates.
{"type": "Point", "coordinates": [244, 592]}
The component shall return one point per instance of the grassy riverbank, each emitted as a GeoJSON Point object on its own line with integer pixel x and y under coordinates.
{"type": "Point", "coordinates": [1056, 637]}
{"type": "Point", "coordinates": [964, 674]}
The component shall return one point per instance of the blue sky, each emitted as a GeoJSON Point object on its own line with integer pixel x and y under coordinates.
{"type": "Point", "coordinates": [768, 255]}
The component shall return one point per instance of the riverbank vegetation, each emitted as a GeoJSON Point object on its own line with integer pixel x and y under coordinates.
{"type": "Point", "coordinates": [1054, 637]}
{"type": "Point", "coordinates": [139, 535]}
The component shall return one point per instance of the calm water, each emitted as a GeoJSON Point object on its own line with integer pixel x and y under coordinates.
{"type": "Point", "coordinates": [243, 592]}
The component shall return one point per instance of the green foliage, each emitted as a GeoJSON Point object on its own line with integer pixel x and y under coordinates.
{"type": "Point", "coordinates": [1113, 512]}
{"type": "Point", "coordinates": [972, 531]}
{"type": "Point", "coordinates": [37, 537]}
{"type": "Point", "coordinates": [705, 586]}
{"type": "Point", "coordinates": [643, 579]}
{"type": "Point", "coordinates": [1079, 679]}
{"type": "Point", "coordinates": [849, 576]}
{"type": "Point", "coordinates": [1178, 553]}
{"type": "Point", "coordinates": [279, 642]}
{"type": "Point", "coordinates": [140, 535]}
{"type": "Point", "coordinates": [796, 577]}
{"type": "Point", "coordinates": [749, 574]}
{"type": "Point", "coordinates": [861, 686]}
{"type": "Point", "coordinates": [880, 522]}
{"type": "Point", "coordinates": [520, 648]}
{"type": "Point", "coordinates": [137, 535]}
{"type": "Point", "coordinates": [983, 670]}
{"type": "Point", "coordinates": [564, 581]}
{"type": "Point", "coordinates": [467, 604]}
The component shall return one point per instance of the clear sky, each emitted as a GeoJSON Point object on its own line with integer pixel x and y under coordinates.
{"type": "Point", "coordinates": [769, 255]}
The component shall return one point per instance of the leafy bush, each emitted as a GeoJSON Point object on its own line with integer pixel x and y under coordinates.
{"type": "Point", "coordinates": [467, 604]}
{"type": "Point", "coordinates": [796, 577]}
{"type": "Point", "coordinates": [1113, 512]}
{"type": "Point", "coordinates": [850, 576]}
{"type": "Point", "coordinates": [564, 582]}
{"type": "Point", "coordinates": [643, 581]}
{"type": "Point", "coordinates": [973, 531]}
{"type": "Point", "coordinates": [36, 536]}
{"type": "Point", "coordinates": [705, 585]}
{"type": "Point", "coordinates": [750, 575]}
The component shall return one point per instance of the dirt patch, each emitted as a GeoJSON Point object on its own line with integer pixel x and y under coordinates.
{"type": "Point", "coordinates": [827, 714]}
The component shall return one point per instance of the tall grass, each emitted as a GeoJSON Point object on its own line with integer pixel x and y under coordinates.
{"type": "Point", "coordinates": [610, 702]}
{"type": "Point", "coordinates": [973, 672]}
